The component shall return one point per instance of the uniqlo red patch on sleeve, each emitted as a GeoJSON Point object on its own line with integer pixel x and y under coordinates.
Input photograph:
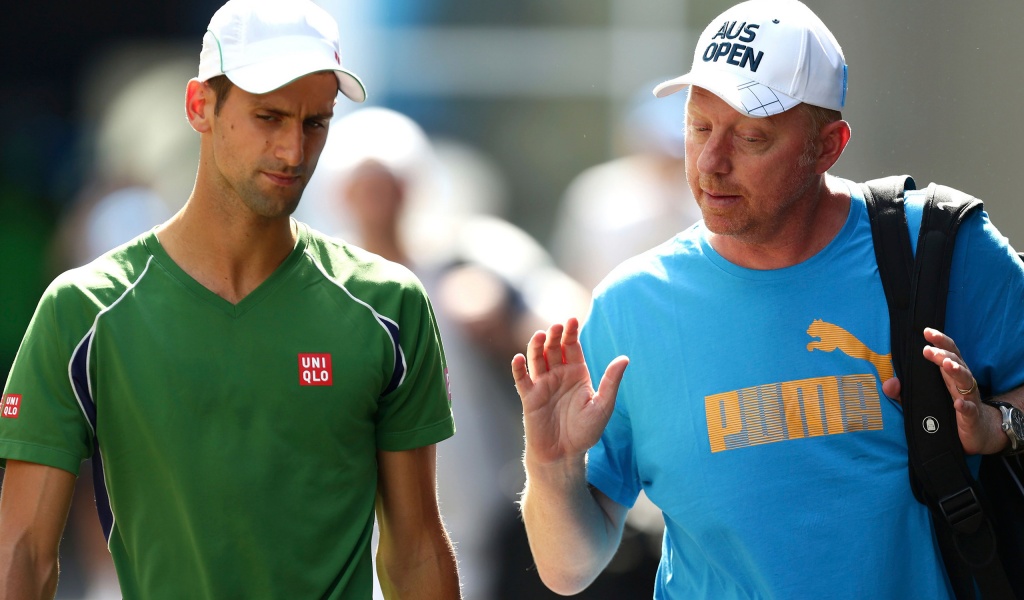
{"type": "Point", "coordinates": [11, 406]}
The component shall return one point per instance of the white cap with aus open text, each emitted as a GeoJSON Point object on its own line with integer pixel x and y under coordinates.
{"type": "Point", "coordinates": [262, 45]}
{"type": "Point", "coordinates": [764, 57]}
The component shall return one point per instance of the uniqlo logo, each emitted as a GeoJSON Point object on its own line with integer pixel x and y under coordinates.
{"type": "Point", "coordinates": [12, 406]}
{"type": "Point", "coordinates": [315, 369]}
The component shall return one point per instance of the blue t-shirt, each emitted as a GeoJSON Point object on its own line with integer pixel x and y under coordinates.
{"type": "Point", "coordinates": [752, 413]}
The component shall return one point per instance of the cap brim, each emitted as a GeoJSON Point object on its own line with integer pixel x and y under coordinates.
{"type": "Point", "coordinates": [269, 75]}
{"type": "Point", "coordinates": [350, 85]}
{"type": "Point", "coordinates": [748, 97]}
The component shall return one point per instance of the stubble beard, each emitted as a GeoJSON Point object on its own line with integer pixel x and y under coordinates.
{"type": "Point", "coordinates": [719, 222]}
{"type": "Point", "coordinates": [270, 205]}
{"type": "Point", "coordinates": [745, 223]}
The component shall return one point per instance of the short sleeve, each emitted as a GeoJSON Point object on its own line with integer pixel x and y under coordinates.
{"type": "Point", "coordinates": [985, 309]}
{"type": "Point", "coordinates": [418, 411]}
{"type": "Point", "coordinates": [42, 420]}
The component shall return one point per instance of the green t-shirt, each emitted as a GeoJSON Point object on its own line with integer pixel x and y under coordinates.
{"type": "Point", "coordinates": [235, 444]}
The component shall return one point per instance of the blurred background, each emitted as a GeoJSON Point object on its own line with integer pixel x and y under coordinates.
{"type": "Point", "coordinates": [535, 160]}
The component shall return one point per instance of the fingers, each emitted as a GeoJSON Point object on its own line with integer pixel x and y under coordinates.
{"type": "Point", "coordinates": [958, 377]}
{"type": "Point", "coordinates": [535, 354]}
{"type": "Point", "coordinates": [965, 389]}
{"type": "Point", "coordinates": [891, 388]}
{"type": "Point", "coordinates": [560, 344]}
{"type": "Point", "coordinates": [553, 345]}
{"type": "Point", "coordinates": [608, 388]}
{"type": "Point", "coordinates": [520, 375]}
{"type": "Point", "coordinates": [572, 352]}
{"type": "Point", "coordinates": [944, 353]}
{"type": "Point", "coordinates": [545, 350]}
{"type": "Point", "coordinates": [940, 340]}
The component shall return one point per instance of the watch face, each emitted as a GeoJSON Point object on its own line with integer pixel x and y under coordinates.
{"type": "Point", "coordinates": [1017, 423]}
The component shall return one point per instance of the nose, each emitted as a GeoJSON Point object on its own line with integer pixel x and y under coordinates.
{"type": "Point", "coordinates": [713, 155]}
{"type": "Point", "coordinates": [290, 145]}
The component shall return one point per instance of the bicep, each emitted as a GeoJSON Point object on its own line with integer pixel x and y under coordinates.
{"type": "Point", "coordinates": [614, 512]}
{"type": "Point", "coordinates": [407, 490]}
{"type": "Point", "coordinates": [34, 503]}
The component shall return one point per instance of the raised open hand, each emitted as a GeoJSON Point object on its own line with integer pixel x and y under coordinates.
{"type": "Point", "coordinates": [562, 413]}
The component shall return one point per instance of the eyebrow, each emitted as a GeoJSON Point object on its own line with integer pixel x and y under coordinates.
{"type": "Point", "coordinates": [283, 113]}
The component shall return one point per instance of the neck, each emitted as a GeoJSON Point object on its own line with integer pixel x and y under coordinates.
{"type": "Point", "coordinates": [229, 254]}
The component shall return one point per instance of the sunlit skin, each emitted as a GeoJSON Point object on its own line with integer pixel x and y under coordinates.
{"type": "Point", "coordinates": [264, 148]}
{"type": "Point", "coordinates": [765, 206]}
{"type": "Point", "coordinates": [256, 156]}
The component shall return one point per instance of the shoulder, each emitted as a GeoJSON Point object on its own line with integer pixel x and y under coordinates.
{"type": "Point", "coordinates": [655, 265]}
{"type": "Point", "coordinates": [356, 269]}
{"type": "Point", "coordinates": [975, 229]}
{"type": "Point", "coordinates": [106, 278]}
{"type": "Point", "coordinates": [72, 301]}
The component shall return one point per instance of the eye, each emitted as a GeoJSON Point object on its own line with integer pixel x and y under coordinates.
{"type": "Point", "coordinates": [697, 128]}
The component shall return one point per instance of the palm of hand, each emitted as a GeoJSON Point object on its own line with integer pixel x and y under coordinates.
{"type": "Point", "coordinates": [562, 414]}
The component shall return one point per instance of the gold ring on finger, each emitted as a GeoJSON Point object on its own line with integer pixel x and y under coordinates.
{"type": "Point", "coordinates": [974, 386]}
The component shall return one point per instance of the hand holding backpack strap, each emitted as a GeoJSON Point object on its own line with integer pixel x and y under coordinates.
{"type": "Point", "coordinates": [916, 288]}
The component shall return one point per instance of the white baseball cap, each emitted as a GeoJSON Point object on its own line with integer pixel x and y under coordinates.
{"type": "Point", "coordinates": [764, 57]}
{"type": "Point", "coordinates": [262, 45]}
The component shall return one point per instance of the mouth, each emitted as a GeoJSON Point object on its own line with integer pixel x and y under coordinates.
{"type": "Point", "coordinates": [720, 198]}
{"type": "Point", "coordinates": [283, 179]}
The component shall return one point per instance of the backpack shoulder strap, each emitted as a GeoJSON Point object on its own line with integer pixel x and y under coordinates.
{"type": "Point", "coordinates": [893, 252]}
{"type": "Point", "coordinates": [916, 289]}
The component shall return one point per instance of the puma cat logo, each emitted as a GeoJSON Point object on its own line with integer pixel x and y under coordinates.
{"type": "Point", "coordinates": [833, 337]}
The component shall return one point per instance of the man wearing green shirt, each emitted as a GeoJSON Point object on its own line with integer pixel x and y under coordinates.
{"type": "Point", "coordinates": [249, 390]}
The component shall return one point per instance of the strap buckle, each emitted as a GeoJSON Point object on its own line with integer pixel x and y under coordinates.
{"type": "Point", "coordinates": [962, 510]}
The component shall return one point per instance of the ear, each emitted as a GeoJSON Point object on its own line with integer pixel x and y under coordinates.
{"type": "Point", "coordinates": [199, 105]}
{"type": "Point", "coordinates": [832, 139]}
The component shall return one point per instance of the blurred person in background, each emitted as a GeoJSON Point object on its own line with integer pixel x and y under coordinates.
{"type": "Point", "coordinates": [631, 203]}
{"type": "Point", "coordinates": [620, 208]}
{"type": "Point", "coordinates": [141, 160]}
{"type": "Point", "coordinates": [435, 206]}
{"type": "Point", "coordinates": [238, 379]}
{"type": "Point", "coordinates": [377, 163]}
{"type": "Point", "coordinates": [383, 185]}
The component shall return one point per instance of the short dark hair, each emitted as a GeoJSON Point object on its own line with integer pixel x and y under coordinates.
{"type": "Point", "coordinates": [221, 87]}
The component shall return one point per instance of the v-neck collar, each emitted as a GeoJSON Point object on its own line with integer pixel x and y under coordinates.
{"type": "Point", "coordinates": [252, 298]}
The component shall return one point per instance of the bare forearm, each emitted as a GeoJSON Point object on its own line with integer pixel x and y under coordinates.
{"type": "Point", "coordinates": [572, 536]}
{"type": "Point", "coordinates": [25, 577]}
{"type": "Point", "coordinates": [415, 559]}
{"type": "Point", "coordinates": [1014, 397]}
{"type": "Point", "coordinates": [428, 572]}
{"type": "Point", "coordinates": [33, 509]}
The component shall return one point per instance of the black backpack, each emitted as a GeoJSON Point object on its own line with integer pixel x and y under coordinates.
{"type": "Point", "coordinates": [979, 523]}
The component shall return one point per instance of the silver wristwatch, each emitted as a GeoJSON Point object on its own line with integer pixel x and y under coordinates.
{"type": "Point", "coordinates": [1013, 425]}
